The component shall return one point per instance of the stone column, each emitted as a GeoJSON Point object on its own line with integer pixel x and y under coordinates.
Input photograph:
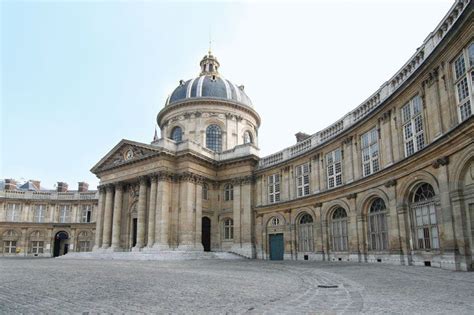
{"type": "Point", "coordinates": [162, 213]}
{"type": "Point", "coordinates": [404, 232]}
{"type": "Point", "coordinates": [99, 219]}
{"type": "Point", "coordinates": [317, 232]}
{"type": "Point", "coordinates": [248, 247]}
{"type": "Point", "coordinates": [448, 238]}
{"type": "Point", "coordinates": [141, 215]}
{"type": "Point", "coordinates": [198, 217]}
{"type": "Point", "coordinates": [236, 217]}
{"type": "Point", "coordinates": [394, 237]}
{"type": "Point", "coordinates": [116, 218]}
{"type": "Point", "coordinates": [109, 193]}
{"type": "Point", "coordinates": [186, 214]}
{"type": "Point", "coordinates": [152, 212]}
{"type": "Point", "coordinates": [352, 228]}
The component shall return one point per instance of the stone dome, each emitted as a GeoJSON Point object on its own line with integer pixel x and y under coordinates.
{"type": "Point", "coordinates": [209, 84]}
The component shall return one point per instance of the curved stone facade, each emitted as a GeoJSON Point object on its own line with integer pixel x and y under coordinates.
{"type": "Point", "coordinates": [390, 182]}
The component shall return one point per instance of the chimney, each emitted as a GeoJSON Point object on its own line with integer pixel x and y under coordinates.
{"type": "Point", "coordinates": [83, 187]}
{"type": "Point", "coordinates": [10, 184]}
{"type": "Point", "coordinates": [301, 136]}
{"type": "Point", "coordinates": [36, 184]}
{"type": "Point", "coordinates": [62, 187]}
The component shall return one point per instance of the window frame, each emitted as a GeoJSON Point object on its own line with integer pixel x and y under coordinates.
{"type": "Point", "coordinates": [228, 192]}
{"type": "Point", "coordinates": [303, 179]}
{"type": "Point", "coordinates": [425, 230]}
{"type": "Point", "coordinates": [410, 125]}
{"type": "Point", "coordinates": [214, 138]}
{"type": "Point", "coordinates": [339, 231]}
{"type": "Point", "coordinates": [377, 226]}
{"type": "Point", "coordinates": [39, 214]}
{"type": "Point", "coordinates": [67, 210]}
{"type": "Point", "coordinates": [464, 107]}
{"type": "Point", "coordinates": [274, 186]}
{"type": "Point", "coordinates": [369, 148]}
{"type": "Point", "coordinates": [86, 213]}
{"type": "Point", "coordinates": [13, 212]}
{"type": "Point", "coordinates": [332, 164]}
{"type": "Point", "coordinates": [228, 233]}
{"type": "Point", "coordinates": [172, 134]}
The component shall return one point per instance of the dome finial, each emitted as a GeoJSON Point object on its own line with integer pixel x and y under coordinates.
{"type": "Point", "coordinates": [210, 41]}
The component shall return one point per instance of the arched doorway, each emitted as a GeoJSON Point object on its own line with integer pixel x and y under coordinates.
{"type": "Point", "coordinates": [206, 234]}
{"type": "Point", "coordinates": [60, 245]}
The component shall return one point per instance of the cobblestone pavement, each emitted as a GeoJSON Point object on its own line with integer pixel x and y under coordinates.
{"type": "Point", "coordinates": [233, 286]}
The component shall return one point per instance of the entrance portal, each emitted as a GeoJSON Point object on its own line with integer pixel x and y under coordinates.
{"type": "Point", "coordinates": [60, 246]}
{"type": "Point", "coordinates": [276, 246]}
{"type": "Point", "coordinates": [134, 232]}
{"type": "Point", "coordinates": [206, 234]}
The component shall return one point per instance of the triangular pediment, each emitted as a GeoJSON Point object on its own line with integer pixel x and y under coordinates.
{"type": "Point", "coordinates": [123, 153]}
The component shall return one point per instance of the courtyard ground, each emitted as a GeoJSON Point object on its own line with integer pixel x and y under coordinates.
{"type": "Point", "coordinates": [229, 286]}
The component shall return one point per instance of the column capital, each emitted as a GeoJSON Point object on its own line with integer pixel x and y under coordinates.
{"type": "Point", "coordinates": [119, 186]}
{"type": "Point", "coordinates": [153, 178]}
{"type": "Point", "coordinates": [143, 180]}
{"type": "Point", "coordinates": [109, 187]}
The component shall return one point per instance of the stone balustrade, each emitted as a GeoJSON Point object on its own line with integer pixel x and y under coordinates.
{"type": "Point", "coordinates": [377, 99]}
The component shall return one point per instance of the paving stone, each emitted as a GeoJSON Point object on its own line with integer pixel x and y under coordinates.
{"type": "Point", "coordinates": [216, 286]}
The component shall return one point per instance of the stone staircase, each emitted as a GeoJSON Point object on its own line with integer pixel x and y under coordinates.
{"type": "Point", "coordinates": [159, 255]}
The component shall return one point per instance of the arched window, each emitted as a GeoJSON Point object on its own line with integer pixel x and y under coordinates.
{"type": "Point", "coordinates": [424, 222]}
{"type": "Point", "coordinates": [228, 229]}
{"type": "Point", "coordinates": [377, 226]}
{"type": "Point", "coordinates": [339, 230]}
{"type": "Point", "coordinates": [305, 233]}
{"type": "Point", "coordinates": [177, 134]}
{"type": "Point", "coordinates": [248, 137]}
{"type": "Point", "coordinates": [205, 191]}
{"type": "Point", "coordinates": [214, 138]}
{"type": "Point", "coordinates": [275, 221]}
{"type": "Point", "coordinates": [228, 192]}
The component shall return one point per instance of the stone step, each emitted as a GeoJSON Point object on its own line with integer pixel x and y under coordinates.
{"type": "Point", "coordinates": [149, 255]}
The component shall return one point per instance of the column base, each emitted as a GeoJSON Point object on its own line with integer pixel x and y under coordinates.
{"type": "Point", "coordinates": [160, 247]}
{"type": "Point", "coordinates": [114, 249]}
{"type": "Point", "coordinates": [136, 249]}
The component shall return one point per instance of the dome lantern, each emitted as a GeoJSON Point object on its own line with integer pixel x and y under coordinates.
{"type": "Point", "coordinates": [209, 65]}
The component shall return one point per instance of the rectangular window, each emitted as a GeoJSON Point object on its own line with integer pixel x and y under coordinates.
{"type": "Point", "coordinates": [302, 179]}
{"type": "Point", "coordinates": [370, 152]}
{"type": "Point", "coordinates": [413, 130]}
{"type": "Point", "coordinates": [39, 214]}
{"type": "Point", "coordinates": [84, 246]}
{"type": "Point", "coordinates": [464, 76]}
{"type": "Point", "coordinates": [64, 214]}
{"type": "Point", "coordinates": [334, 168]}
{"type": "Point", "coordinates": [13, 212]}
{"type": "Point", "coordinates": [274, 188]}
{"type": "Point", "coordinates": [86, 214]}
{"type": "Point", "coordinates": [9, 247]}
{"type": "Point", "coordinates": [37, 247]}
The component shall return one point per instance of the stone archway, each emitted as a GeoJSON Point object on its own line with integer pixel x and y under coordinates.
{"type": "Point", "coordinates": [61, 247]}
{"type": "Point", "coordinates": [206, 234]}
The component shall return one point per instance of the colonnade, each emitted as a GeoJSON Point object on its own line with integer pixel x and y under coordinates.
{"type": "Point", "coordinates": [169, 212]}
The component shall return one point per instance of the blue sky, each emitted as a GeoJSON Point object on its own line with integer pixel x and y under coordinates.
{"type": "Point", "coordinates": [77, 77]}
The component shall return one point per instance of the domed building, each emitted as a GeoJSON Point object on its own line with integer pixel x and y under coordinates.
{"type": "Point", "coordinates": [390, 182]}
{"type": "Point", "coordinates": [191, 188]}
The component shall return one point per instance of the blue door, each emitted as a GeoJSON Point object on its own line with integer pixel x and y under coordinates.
{"type": "Point", "coordinates": [276, 246]}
